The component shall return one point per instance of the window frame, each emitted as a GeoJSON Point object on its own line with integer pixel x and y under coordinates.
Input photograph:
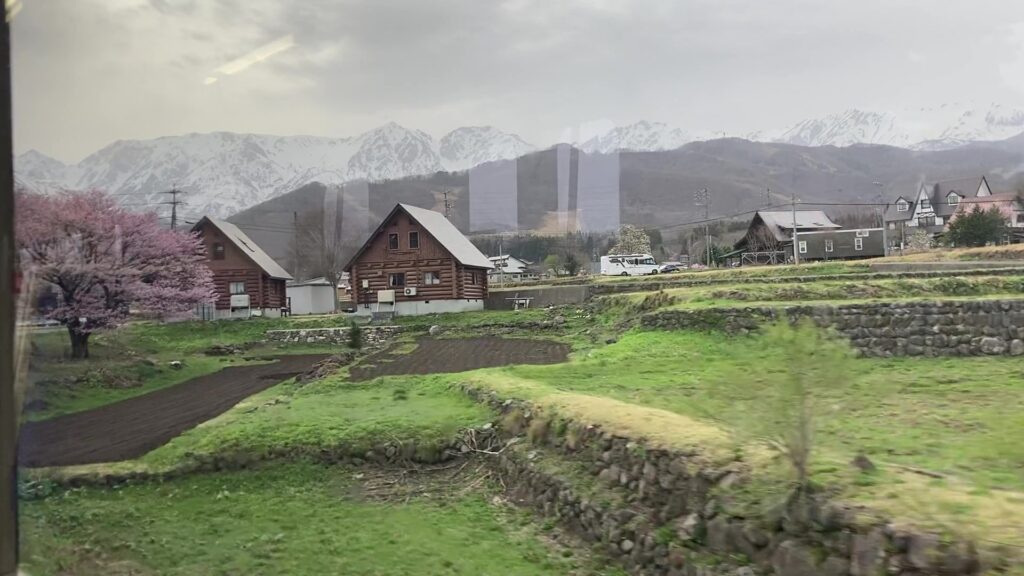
{"type": "Point", "coordinates": [396, 245]}
{"type": "Point", "coordinates": [829, 245]}
{"type": "Point", "coordinates": [802, 246]}
{"type": "Point", "coordinates": [902, 205]}
{"type": "Point", "coordinates": [862, 233]}
{"type": "Point", "coordinates": [392, 276]}
{"type": "Point", "coordinates": [437, 277]}
{"type": "Point", "coordinates": [858, 243]}
{"type": "Point", "coordinates": [231, 287]}
{"type": "Point", "coordinates": [414, 234]}
{"type": "Point", "coordinates": [217, 251]}
{"type": "Point", "coordinates": [950, 197]}
{"type": "Point", "coordinates": [925, 204]}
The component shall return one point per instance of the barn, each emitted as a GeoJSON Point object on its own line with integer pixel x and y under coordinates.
{"type": "Point", "coordinates": [417, 262]}
{"type": "Point", "coordinates": [247, 282]}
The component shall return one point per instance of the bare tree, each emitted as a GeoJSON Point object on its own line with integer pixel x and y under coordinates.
{"type": "Point", "coordinates": [320, 249]}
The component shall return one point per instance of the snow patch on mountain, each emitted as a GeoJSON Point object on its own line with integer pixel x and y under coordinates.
{"type": "Point", "coordinates": [469, 146]}
{"type": "Point", "coordinates": [925, 128]}
{"type": "Point", "coordinates": [640, 136]}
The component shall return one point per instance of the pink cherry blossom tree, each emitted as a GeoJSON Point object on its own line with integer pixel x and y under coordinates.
{"type": "Point", "coordinates": [105, 261]}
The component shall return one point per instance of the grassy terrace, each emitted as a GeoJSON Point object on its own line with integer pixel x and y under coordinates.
{"type": "Point", "coordinates": [839, 291]}
{"type": "Point", "coordinates": [285, 519]}
{"type": "Point", "coordinates": [133, 359]}
{"type": "Point", "coordinates": [958, 419]}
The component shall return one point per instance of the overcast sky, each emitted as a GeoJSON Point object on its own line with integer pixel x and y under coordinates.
{"type": "Point", "coordinates": [88, 72]}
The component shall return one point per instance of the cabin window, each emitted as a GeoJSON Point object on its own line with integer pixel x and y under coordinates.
{"type": "Point", "coordinates": [829, 247]}
{"type": "Point", "coordinates": [392, 241]}
{"type": "Point", "coordinates": [803, 247]}
{"type": "Point", "coordinates": [237, 287]}
{"type": "Point", "coordinates": [431, 277]}
{"type": "Point", "coordinates": [414, 239]}
{"type": "Point", "coordinates": [472, 277]}
{"type": "Point", "coordinates": [952, 200]}
{"type": "Point", "coordinates": [218, 250]}
{"type": "Point", "coordinates": [858, 243]}
{"type": "Point", "coordinates": [902, 206]}
{"type": "Point", "coordinates": [396, 279]}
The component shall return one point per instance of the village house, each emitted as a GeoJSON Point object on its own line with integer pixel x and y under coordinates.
{"type": "Point", "coordinates": [417, 262]}
{"type": "Point", "coordinates": [247, 282]}
{"type": "Point", "coordinates": [769, 237]}
{"type": "Point", "coordinates": [1009, 204]}
{"type": "Point", "coordinates": [508, 268]}
{"type": "Point", "coordinates": [931, 208]}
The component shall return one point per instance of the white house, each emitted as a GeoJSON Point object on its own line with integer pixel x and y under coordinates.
{"type": "Point", "coordinates": [313, 296]}
{"type": "Point", "coordinates": [508, 268]}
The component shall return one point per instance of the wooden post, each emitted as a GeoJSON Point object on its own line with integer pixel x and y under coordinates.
{"type": "Point", "coordinates": [8, 411]}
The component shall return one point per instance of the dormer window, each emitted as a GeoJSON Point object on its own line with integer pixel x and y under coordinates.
{"type": "Point", "coordinates": [952, 199]}
{"type": "Point", "coordinates": [902, 205]}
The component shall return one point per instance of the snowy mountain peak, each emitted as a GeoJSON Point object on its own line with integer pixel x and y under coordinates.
{"type": "Point", "coordinates": [642, 135]}
{"type": "Point", "coordinates": [469, 146]}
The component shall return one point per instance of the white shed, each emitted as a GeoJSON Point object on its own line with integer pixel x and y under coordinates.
{"type": "Point", "coordinates": [313, 296]}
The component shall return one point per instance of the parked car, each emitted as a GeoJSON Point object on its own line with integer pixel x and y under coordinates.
{"type": "Point", "coordinates": [671, 267]}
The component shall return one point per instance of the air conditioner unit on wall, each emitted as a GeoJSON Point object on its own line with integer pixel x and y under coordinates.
{"type": "Point", "coordinates": [410, 291]}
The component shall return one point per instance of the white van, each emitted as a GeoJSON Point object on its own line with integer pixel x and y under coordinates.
{"type": "Point", "coordinates": [628, 265]}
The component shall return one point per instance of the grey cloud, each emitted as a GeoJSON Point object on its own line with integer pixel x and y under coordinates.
{"type": "Point", "coordinates": [529, 66]}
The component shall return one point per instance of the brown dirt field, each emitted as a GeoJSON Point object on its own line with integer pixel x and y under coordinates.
{"type": "Point", "coordinates": [132, 427]}
{"type": "Point", "coordinates": [438, 356]}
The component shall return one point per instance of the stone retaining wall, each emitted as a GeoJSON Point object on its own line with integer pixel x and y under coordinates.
{"type": "Point", "coordinates": [673, 517]}
{"type": "Point", "coordinates": [372, 335]}
{"type": "Point", "coordinates": [945, 328]}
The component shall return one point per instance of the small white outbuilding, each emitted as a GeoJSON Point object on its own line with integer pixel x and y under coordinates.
{"type": "Point", "coordinates": [313, 296]}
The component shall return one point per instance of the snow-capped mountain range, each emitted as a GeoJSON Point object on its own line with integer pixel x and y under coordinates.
{"type": "Point", "coordinates": [223, 172]}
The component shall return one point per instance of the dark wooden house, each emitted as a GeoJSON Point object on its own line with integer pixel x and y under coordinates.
{"type": "Point", "coordinates": [417, 262]}
{"type": "Point", "coordinates": [841, 244]}
{"type": "Point", "coordinates": [769, 238]}
{"type": "Point", "coordinates": [247, 281]}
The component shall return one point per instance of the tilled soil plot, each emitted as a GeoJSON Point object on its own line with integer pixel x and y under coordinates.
{"type": "Point", "coordinates": [132, 427]}
{"type": "Point", "coordinates": [436, 356]}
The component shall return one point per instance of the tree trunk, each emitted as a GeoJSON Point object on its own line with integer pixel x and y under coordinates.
{"type": "Point", "coordinates": [79, 344]}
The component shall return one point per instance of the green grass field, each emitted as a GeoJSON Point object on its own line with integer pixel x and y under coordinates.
{"type": "Point", "coordinates": [284, 519]}
{"type": "Point", "coordinates": [955, 417]}
{"type": "Point", "coordinates": [330, 414]}
{"type": "Point", "coordinates": [134, 359]}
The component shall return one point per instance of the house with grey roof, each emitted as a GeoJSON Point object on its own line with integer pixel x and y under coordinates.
{"type": "Point", "coordinates": [769, 238]}
{"type": "Point", "coordinates": [931, 208]}
{"type": "Point", "coordinates": [417, 262]}
{"type": "Point", "coordinates": [247, 281]}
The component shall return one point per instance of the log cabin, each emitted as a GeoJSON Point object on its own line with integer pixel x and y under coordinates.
{"type": "Point", "coordinates": [417, 262]}
{"type": "Point", "coordinates": [247, 281]}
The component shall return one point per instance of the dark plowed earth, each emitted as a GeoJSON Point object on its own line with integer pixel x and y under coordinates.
{"type": "Point", "coordinates": [433, 356]}
{"type": "Point", "coordinates": [132, 427]}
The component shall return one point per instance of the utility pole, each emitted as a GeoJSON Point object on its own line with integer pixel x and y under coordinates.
{"type": "Point", "coordinates": [704, 199]}
{"type": "Point", "coordinates": [796, 245]}
{"type": "Point", "coordinates": [447, 205]}
{"type": "Point", "coordinates": [174, 202]}
{"type": "Point", "coordinates": [295, 245]}
{"type": "Point", "coordinates": [881, 218]}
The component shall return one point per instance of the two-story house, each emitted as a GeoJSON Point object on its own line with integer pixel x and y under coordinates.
{"type": "Point", "coordinates": [931, 208]}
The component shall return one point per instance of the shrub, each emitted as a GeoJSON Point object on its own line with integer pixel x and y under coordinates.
{"type": "Point", "coordinates": [355, 335]}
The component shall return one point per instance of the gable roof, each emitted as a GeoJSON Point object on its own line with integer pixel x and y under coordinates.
{"type": "Point", "coordinates": [937, 194]}
{"type": "Point", "coordinates": [245, 244]}
{"type": "Point", "coordinates": [778, 221]}
{"type": "Point", "coordinates": [435, 224]}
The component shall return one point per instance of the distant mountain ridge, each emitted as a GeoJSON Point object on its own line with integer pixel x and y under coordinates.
{"type": "Point", "coordinates": [224, 172]}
